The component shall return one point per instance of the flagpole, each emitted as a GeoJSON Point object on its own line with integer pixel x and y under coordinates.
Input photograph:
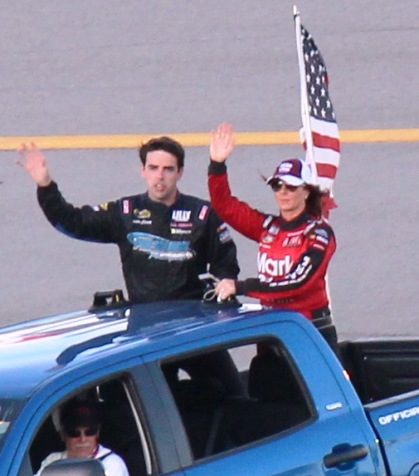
{"type": "Point", "coordinates": [304, 99]}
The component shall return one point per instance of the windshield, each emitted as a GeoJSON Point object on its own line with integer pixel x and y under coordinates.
{"type": "Point", "coordinates": [9, 410]}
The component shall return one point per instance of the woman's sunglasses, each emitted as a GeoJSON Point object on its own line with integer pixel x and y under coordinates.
{"type": "Point", "coordinates": [77, 432]}
{"type": "Point", "coordinates": [278, 185]}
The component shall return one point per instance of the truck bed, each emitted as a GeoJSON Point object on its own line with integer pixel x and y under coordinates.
{"type": "Point", "coordinates": [382, 368]}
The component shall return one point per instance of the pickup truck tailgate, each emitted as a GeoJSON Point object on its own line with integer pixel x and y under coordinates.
{"type": "Point", "coordinates": [396, 422]}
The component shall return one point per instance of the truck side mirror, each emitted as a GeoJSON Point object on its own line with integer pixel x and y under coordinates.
{"type": "Point", "coordinates": [74, 467]}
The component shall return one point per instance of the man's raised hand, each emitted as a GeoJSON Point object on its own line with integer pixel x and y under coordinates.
{"type": "Point", "coordinates": [34, 163]}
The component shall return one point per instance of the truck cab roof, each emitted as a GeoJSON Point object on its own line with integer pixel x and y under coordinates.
{"type": "Point", "coordinates": [35, 351]}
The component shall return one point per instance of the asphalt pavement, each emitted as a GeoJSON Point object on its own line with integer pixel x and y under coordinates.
{"type": "Point", "coordinates": [106, 67]}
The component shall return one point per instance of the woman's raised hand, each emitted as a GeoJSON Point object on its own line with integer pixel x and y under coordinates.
{"type": "Point", "coordinates": [222, 143]}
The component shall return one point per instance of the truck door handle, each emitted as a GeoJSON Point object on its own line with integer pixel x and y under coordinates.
{"type": "Point", "coordinates": [344, 453]}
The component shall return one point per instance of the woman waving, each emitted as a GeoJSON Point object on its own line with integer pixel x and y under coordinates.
{"type": "Point", "coordinates": [295, 246]}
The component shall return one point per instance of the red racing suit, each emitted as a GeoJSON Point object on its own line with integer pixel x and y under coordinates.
{"type": "Point", "coordinates": [293, 255]}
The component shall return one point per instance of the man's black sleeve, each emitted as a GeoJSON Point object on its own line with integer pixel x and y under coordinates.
{"type": "Point", "coordinates": [101, 224]}
{"type": "Point", "coordinates": [222, 251]}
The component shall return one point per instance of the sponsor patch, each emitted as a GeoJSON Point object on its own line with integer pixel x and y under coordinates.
{"type": "Point", "coordinates": [203, 213]}
{"type": "Point", "coordinates": [160, 248]}
{"type": "Point", "coordinates": [142, 222]}
{"type": "Point", "coordinates": [181, 215]}
{"type": "Point", "coordinates": [322, 232]}
{"type": "Point", "coordinates": [285, 167]}
{"type": "Point", "coordinates": [125, 207]}
{"type": "Point", "coordinates": [301, 269]}
{"type": "Point", "coordinates": [142, 214]}
{"type": "Point", "coordinates": [274, 267]}
{"type": "Point", "coordinates": [325, 241]}
{"type": "Point", "coordinates": [181, 225]}
{"type": "Point", "coordinates": [225, 236]}
{"type": "Point", "coordinates": [180, 231]}
{"type": "Point", "coordinates": [321, 239]}
{"type": "Point", "coordinates": [268, 239]}
{"type": "Point", "coordinates": [292, 241]}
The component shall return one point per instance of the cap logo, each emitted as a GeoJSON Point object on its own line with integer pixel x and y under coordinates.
{"type": "Point", "coordinates": [285, 167]}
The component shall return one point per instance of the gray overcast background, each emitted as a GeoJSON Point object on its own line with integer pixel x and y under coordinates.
{"type": "Point", "coordinates": [130, 67]}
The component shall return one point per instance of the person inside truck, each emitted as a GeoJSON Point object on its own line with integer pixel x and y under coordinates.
{"type": "Point", "coordinates": [79, 430]}
{"type": "Point", "coordinates": [166, 239]}
{"type": "Point", "coordinates": [295, 246]}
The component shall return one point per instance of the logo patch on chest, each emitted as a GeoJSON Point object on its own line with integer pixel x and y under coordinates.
{"type": "Point", "coordinates": [268, 239]}
{"type": "Point", "coordinates": [274, 267]}
{"type": "Point", "coordinates": [126, 207]}
{"type": "Point", "coordinates": [271, 235]}
{"type": "Point", "coordinates": [142, 222]}
{"type": "Point", "coordinates": [103, 206]}
{"type": "Point", "coordinates": [160, 248]}
{"type": "Point", "coordinates": [203, 212]}
{"type": "Point", "coordinates": [180, 231]}
{"type": "Point", "coordinates": [143, 214]}
{"type": "Point", "coordinates": [181, 215]}
{"type": "Point", "coordinates": [292, 241]}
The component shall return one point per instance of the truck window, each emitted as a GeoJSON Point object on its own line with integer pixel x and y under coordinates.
{"type": "Point", "coordinates": [231, 397]}
{"type": "Point", "coordinates": [9, 410]}
{"type": "Point", "coordinates": [120, 428]}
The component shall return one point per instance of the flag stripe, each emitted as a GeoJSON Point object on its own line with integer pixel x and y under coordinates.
{"type": "Point", "coordinates": [325, 156]}
{"type": "Point", "coordinates": [326, 170]}
{"type": "Point", "coordinates": [325, 142]}
{"type": "Point", "coordinates": [327, 128]}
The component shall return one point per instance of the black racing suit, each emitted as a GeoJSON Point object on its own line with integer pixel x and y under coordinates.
{"type": "Point", "coordinates": [163, 249]}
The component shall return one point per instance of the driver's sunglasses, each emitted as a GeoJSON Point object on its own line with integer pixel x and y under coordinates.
{"type": "Point", "coordinates": [77, 432]}
{"type": "Point", "coordinates": [278, 185]}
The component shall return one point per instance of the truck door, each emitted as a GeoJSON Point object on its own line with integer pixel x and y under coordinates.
{"type": "Point", "coordinates": [273, 402]}
{"type": "Point", "coordinates": [123, 429]}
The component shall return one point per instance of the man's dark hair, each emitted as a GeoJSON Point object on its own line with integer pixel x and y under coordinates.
{"type": "Point", "coordinates": [163, 143]}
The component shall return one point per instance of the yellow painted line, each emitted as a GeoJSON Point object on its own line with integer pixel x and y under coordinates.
{"type": "Point", "coordinates": [380, 135]}
{"type": "Point", "coordinates": [202, 139]}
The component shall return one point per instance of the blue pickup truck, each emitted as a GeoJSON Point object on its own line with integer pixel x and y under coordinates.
{"type": "Point", "coordinates": [193, 388]}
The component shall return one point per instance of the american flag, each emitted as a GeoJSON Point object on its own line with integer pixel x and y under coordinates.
{"type": "Point", "coordinates": [320, 134]}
